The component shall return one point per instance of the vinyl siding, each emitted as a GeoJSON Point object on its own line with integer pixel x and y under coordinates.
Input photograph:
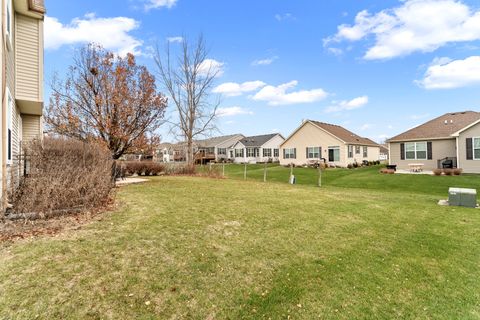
{"type": "Point", "coordinates": [273, 143]}
{"type": "Point", "coordinates": [28, 58]}
{"type": "Point", "coordinates": [31, 127]}
{"type": "Point", "coordinates": [440, 149]}
{"type": "Point", "coordinates": [311, 136]}
{"type": "Point", "coordinates": [468, 166]}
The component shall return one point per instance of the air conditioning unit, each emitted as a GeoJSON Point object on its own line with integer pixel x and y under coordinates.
{"type": "Point", "coordinates": [462, 197]}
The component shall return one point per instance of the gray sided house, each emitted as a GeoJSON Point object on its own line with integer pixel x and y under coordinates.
{"type": "Point", "coordinates": [263, 148]}
{"type": "Point", "coordinates": [451, 140]}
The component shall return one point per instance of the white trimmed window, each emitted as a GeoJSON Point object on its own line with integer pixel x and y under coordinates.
{"type": "Point", "coordinates": [250, 152]}
{"type": "Point", "coordinates": [276, 153]}
{"type": "Point", "coordinates": [357, 149]}
{"type": "Point", "coordinates": [238, 153]}
{"type": "Point", "coordinates": [222, 151]}
{"type": "Point", "coordinates": [416, 151]}
{"type": "Point", "coordinates": [476, 148]}
{"type": "Point", "coordinates": [267, 152]}
{"type": "Point", "coordinates": [365, 152]}
{"type": "Point", "coordinates": [350, 151]}
{"type": "Point", "coordinates": [289, 153]}
{"type": "Point", "coordinates": [313, 152]}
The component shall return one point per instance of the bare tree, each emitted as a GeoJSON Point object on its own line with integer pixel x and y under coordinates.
{"type": "Point", "coordinates": [108, 99]}
{"type": "Point", "coordinates": [189, 77]}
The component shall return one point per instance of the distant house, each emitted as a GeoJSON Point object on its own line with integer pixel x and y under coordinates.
{"type": "Point", "coordinates": [216, 148]}
{"type": "Point", "coordinates": [165, 152]}
{"type": "Point", "coordinates": [383, 152]}
{"type": "Point", "coordinates": [317, 141]}
{"type": "Point", "coordinates": [263, 148]}
{"type": "Point", "coordinates": [451, 140]}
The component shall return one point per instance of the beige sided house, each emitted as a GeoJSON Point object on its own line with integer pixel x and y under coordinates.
{"type": "Point", "coordinates": [317, 141]}
{"type": "Point", "coordinates": [22, 79]}
{"type": "Point", "coordinates": [451, 140]}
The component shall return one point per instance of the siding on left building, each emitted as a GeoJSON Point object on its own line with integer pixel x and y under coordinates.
{"type": "Point", "coordinates": [21, 81]}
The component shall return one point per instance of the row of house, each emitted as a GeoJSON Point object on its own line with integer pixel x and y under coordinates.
{"type": "Point", "coordinates": [21, 81]}
{"type": "Point", "coordinates": [310, 143]}
{"type": "Point", "coordinates": [449, 141]}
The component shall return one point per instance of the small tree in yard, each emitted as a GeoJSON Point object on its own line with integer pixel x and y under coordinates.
{"type": "Point", "coordinates": [189, 79]}
{"type": "Point", "coordinates": [107, 99]}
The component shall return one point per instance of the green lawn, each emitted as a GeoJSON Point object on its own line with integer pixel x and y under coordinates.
{"type": "Point", "coordinates": [199, 248]}
{"type": "Point", "coordinates": [362, 178]}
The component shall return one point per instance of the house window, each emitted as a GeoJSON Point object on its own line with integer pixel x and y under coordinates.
{"type": "Point", "coordinates": [290, 153]}
{"type": "Point", "coordinates": [10, 107]}
{"type": "Point", "coordinates": [365, 152]}
{"type": "Point", "coordinates": [333, 154]}
{"type": "Point", "coordinates": [357, 149]}
{"type": "Point", "coordinates": [416, 151]}
{"type": "Point", "coordinates": [222, 151]}
{"type": "Point", "coordinates": [476, 148]}
{"type": "Point", "coordinates": [253, 152]}
{"type": "Point", "coordinates": [267, 152]}
{"type": "Point", "coordinates": [350, 151]}
{"type": "Point", "coordinates": [238, 153]}
{"type": "Point", "coordinates": [313, 152]}
{"type": "Point", "coordinates": [276, 153]}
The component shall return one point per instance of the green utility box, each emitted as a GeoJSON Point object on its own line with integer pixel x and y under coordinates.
{"type": "Point", "coordinates": [462, 197]}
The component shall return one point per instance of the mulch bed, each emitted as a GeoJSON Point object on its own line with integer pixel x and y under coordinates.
{"type": "Point", "coordinates": [14, 230]}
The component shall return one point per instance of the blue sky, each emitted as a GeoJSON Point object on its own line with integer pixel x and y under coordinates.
{"type": "Point", "coordinates": [375, 67]}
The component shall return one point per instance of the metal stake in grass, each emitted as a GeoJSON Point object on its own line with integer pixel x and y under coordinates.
{"type": "Point", "coordinates": [265, 172]}
{"type": "Point", "coordinates": [223, 170]}
{"type": "Point", "coordinates": [245, 172]}
{"type": "Point", "coordinates": [319, 175]}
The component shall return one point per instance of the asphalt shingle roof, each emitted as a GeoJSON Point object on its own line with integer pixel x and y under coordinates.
{"type": "Point", "coordinates": [257, 141]}
{"type": "Point", "coordinates": [441, 127]}
{"type": "Point", "coordinates": [344, 134]}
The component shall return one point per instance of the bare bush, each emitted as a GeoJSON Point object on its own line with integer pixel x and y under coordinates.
{"type": "Point", "coordinates": [140, 168]}
{"type": "Point", "coordinates": [62, 175]}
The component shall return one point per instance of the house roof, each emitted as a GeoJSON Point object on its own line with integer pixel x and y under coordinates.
{"type": "Point", "coordinates": [343, 134]}
{"type": "Point", "coordinates": [212, 142]}
{"type": "Point", "coordinates": [257, 141]}
{"type": "Point", "coordinates": [383, 149]}
{"type": "Point", "coordinates": [442, 127]}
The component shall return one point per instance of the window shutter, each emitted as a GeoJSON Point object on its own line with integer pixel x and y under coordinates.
{"type": "Point", "coordinates": [319, 152]}
{"type": "Point", "coordinates": [469, 149]}
{"type": "Point", "coordinates": [429, 151]}
{"type": "Point", "coordinates": [294, 153]}
{"type": "Point", "coordinates": [402, 151]}
{"type": "Point", "coordinates": [283, 153]}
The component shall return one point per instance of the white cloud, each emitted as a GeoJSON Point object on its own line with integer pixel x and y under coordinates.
{"type": "Point", "coordinates": [211, 67]}
{"type": "Point", "coordinates": [447, 74]}
{"type": "Point", "coordinates": [285, 16]}
{"type": "Point", "coordinates": [175, 39]}
{"type": "Point", "coordinates": [233, 89]}
{"type": "Point", "coordinates": [279, 96]}
{"type": "Point", "coordinates": [232, 111]}
{"type": "Point", "coordinates": [416, 25]}
{"type": "Point", "coordinates": [156, 4]}
{"type": "Point", "coordinates": [111, 33]}
{"type": "Point", "coordinates": [347, 105]}
{"type": "Point", "coordinates": [366, 126]}
{"type": "Point", "coordinates": [264, 62]}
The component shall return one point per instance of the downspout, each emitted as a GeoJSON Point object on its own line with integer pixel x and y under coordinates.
{"type": "Point", "coordinates": [458, 152]}
{"type": "Point", "coordinates": [4, 111]}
